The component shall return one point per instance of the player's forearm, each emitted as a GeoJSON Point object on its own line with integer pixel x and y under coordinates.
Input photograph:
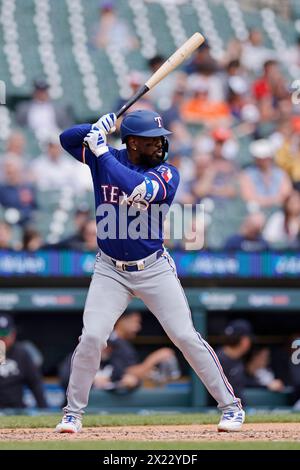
{"type": "Point", "coordinates": [140, 370]}
{"type": "Point", "coordinates": [73, 137]}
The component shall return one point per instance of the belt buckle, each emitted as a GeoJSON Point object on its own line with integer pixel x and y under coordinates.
{"type": "Point", "coordinates": [120, 266]}
{"type": "Point", "coordinates": [141, 265]}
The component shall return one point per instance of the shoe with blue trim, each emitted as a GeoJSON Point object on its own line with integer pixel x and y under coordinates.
{"type": "Point", "coordinates": [69, 424]}
{"type": "Point", "coordinates": [231, 421]}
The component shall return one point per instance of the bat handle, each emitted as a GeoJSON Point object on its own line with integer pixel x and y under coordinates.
{"type": "Point", "coordinates": [141, 91]}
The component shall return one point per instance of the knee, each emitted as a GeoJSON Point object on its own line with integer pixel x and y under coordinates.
{"type": "Point", "coordinates": [183, 339]}
{"type": "Point", "coordinates": [92, 342]}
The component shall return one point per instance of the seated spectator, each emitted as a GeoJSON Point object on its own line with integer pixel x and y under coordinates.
{"type": "Point", "coordinates": [259, 372]}
{"type": "Point", "coordinates": [200, 109]}
{"type": "Point", "coordinates": [233, 52]}
{"type": "Point", "coordinates": [218, 178]}
{"type": "Point", "coordinates": [32, 240]}
{"type": "Point", "coordinates": [5, 236]}
{"type": "Point", "coordinates": [269, 90]}
{"type": "Point", "coordinates": [250, 237]}
{"type": "Point", "coordinates": [112, 30]}
{"type": "Point", "coordinates": [287, 143]}
{"type": "Point", "coordinates": [271, 84]}
{"type": "Point", "coordinates": [18, 369]}
{"type": "Point", "coordinates": [172, 114]}
{"type": "Point", "coordinates": [121, 368]}
{"type": "Point", "coordinates": [135, 80]}
{"type": "Point", "coordinates": [203, 176]}
{"type": "Point", "coordinates": [236, 96]}
{"type": "Point", "coordinates": [41, 114]}
{"type": "Point", "coordinates": [84, 240]}
{"type": "Point", "coordinates": [292, 58]}
{"type": "Point", "coordinates": [225, 147]}
{"type": "Point", "coordinates": [201, 60]}
{"type": "Point", "coordinates": [81, 218]}
{"type": "Point", "coordinates": [242, 106]}
{"type": "Point", "coordinates": [264, 183]}
{"type": "Point", "coordinates": [283, 227]}
{"type": "Point", "coordinates": [186, 168]}
{"type": "Point", "coordinates": [15, 145]}
{"type": "Point", "coordinates": [238, 341]}
{"type": "Point", "coordinates": [16, 192]}
{"type": "Point", "coordinates": [254, 53]}
{"type": "Point", "coordinates": [211, 80]}
{"type": "Point", "coordinates": [89, 237]}
{"type": "Point", "coordinates": [181, 141]}
{"type": "Point", "coordinates": [234, 69]}
{"type": "Point", "coordinates": [15, 148]}
{"type": "Point", "coordinates": [161, 95]}
{"type": "Point", "coordinates": [54, 170]}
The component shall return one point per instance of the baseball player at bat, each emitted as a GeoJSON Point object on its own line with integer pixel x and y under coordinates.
{"type": "Point", "coordinates": [137, 177]}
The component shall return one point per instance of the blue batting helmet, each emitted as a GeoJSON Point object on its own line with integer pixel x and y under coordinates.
{"type": "Point", "coordinates": [143, 123]}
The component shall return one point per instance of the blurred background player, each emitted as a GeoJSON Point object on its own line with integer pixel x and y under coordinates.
{"type": "Point", "coordinates": [238, 341]}
{"type": "Point", "coordinates": [121, 369]}
{"type": "Point", "coordinates": [19, 370]}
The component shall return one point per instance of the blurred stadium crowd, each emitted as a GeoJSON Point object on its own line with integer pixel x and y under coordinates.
{"type": "Point", "coordinates": [235, 119]}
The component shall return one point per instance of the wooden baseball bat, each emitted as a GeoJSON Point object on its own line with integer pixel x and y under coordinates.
{"type": "Point", "coordinates": [170, 64]}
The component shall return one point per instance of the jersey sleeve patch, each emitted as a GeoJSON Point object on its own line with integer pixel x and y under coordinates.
{"type": "Point", "coordinates": [165, 172]}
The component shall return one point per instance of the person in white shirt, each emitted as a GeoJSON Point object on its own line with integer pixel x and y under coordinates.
{"type": "Point", "coordinates": [283, 227]}
{"type": "Point", "coordinates": [255, 54]}
{"type": "Point", "coordinates": [53, 170]}
{"type": "Point", "coordinates": [41, 114]}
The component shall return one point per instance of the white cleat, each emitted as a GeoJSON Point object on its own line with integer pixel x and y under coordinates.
{"type": "Point", "coordinates": [69, 424]}
{"type": "Point", "coordinates": [231, 421]}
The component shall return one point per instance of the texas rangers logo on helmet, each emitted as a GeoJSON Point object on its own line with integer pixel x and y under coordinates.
{"type": "Point", "coordinates": [158, 119]}
{"type": "Point", "coordinates": [166, 173]}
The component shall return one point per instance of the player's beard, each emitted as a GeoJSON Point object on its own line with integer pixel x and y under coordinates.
{"type": "Point", "coordinates": [149, 161]}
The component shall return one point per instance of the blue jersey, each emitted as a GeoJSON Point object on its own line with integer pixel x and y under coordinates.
{"type": "Point", "coordinates": [114, 179]}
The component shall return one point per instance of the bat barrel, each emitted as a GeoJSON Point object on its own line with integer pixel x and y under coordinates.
{"type": "Point", "coordinates": [174, 60]}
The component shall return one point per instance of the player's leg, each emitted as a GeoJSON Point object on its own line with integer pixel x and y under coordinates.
{"type": "Point", "coordinates": [164, 296]}
{"type": "Point", "coordinates": [107, 299]}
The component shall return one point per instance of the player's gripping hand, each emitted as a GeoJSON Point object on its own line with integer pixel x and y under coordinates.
{"type": "Point", "coordinates": [107, 123]}
{"type": "Point", "coordinates": [96, 141]}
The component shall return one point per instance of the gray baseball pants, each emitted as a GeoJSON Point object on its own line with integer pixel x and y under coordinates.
{"type": "Point", "coordinates": [159, 287]}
